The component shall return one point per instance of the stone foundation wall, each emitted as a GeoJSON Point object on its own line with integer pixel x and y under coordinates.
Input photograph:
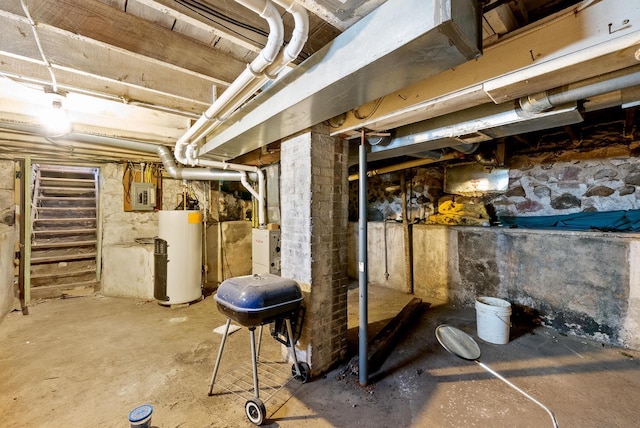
{"type": "Point", "coordinates": [562, 182]}
{"type": "Point", "coordinates": [424, 187]}
{"type": "Point", "coordinates": [569, 182]}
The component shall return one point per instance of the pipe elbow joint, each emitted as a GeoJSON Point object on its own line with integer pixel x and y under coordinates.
{"type": "Point", "coordinates": [536, 103]}
{"type": "Point", "coordinates": [191, 155]}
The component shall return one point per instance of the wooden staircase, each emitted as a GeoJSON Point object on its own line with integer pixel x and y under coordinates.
{"type": "Point", "coordinates": [64, 231]}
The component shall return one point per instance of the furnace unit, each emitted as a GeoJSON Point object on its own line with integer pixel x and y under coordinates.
{"type": "Point", "coordinates": [265, 251]}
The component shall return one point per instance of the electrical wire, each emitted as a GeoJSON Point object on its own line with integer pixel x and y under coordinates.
{"type": "Point", "coordinates": [54, 83]}
{"type": "Point", "coordinates": [207, 11]}
{"type": "Point", "coordinates": [357, 114]}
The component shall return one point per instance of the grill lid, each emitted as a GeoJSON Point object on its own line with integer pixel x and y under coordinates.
{"type": "Point", "coordinates": [254, 293]}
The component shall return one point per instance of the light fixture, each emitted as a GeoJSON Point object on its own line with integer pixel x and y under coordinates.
{"type": "Point", "coordinates": [55, 118]}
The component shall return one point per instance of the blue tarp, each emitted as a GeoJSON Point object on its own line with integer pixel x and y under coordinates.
{"type": "Point", "coordinates": [611, 221]}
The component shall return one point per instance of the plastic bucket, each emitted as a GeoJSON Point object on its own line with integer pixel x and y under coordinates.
{"type": "Point", "coordinates": [493, 318]}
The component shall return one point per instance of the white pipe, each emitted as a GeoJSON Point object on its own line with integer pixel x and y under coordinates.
{"type": "Point", "coordinates": [247, 185]}
{"type": "Point", "coordinates": [202, 174]}
{"type": "Point", "coordinates": [259, 195]}
{"type": "Point", "coordinates": [254, 70]}
{"type": "Point", "coordinates": [262, 199]}
{"type": "Point", "coordinates": [226, 165]}
{"type": "Point", "coordinates": [285, 57]}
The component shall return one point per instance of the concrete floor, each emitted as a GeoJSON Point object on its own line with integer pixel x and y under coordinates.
{"type": "Point", "coordinates": [86, 362]}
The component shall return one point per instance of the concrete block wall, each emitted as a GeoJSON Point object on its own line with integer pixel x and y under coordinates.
{"type": "Point", "coordinates": [385, 254]}
{"type": "Point", "coordinates": [314, 204]}
{"type": "Point", "coordinates": [581, 283]}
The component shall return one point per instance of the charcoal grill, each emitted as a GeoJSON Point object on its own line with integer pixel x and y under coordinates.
{"type": "Point", "coordinates": [253, 301]}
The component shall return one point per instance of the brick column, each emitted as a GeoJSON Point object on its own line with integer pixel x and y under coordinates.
{"type": "Point", "coordinates": [314, 201]}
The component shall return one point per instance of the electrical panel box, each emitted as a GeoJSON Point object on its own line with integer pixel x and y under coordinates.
{"type": "Point", "coordinates": [143, 196]}
{"type": "Point", "coordinates": [265, 251]}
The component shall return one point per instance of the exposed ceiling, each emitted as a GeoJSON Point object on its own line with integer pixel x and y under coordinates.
{"type": "Point", "coordinates": [145, 69]}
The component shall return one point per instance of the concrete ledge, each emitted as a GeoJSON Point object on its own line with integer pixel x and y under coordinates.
{"type": "Point", "coordinates": [7, 240]}
{"type": "Point", "coordinates": [582, 283]}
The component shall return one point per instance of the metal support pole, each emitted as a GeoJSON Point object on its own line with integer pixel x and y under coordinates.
{"type": "Point", "coordinates": [362, 262]}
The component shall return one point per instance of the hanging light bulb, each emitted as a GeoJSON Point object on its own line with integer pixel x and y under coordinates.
{"type": "Point", "coordinates": [56, 119]}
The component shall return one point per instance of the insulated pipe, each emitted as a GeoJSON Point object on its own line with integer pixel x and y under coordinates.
{"type": "Point", "coordinates": [285, 57]}
{"type": "Point", "coordinates": [266, 56]}
{"type": "Point", "coordinates": [543, 101]}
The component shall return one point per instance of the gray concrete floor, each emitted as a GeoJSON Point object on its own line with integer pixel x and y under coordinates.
{"type": "Point", "coordinates": [86, 362]}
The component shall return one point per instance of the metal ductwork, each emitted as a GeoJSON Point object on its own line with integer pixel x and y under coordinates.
{"type": "Point", "coordinates": [582, 90]}
{"type": "Point", "coordinates": [399, 43]}
{"type": "Point", "coordinates": [463, 131]}
{"type": "Point", "coordinates": [221, 172]}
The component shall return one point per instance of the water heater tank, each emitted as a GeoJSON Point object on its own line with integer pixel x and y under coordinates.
{"type": "Point", "coordinates": [182, 230]}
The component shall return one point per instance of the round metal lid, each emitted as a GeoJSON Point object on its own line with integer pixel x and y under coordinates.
{"type": "Point", "coordinates": [140, 413]}
{"type": "Point", "coordinates": [457, 342]}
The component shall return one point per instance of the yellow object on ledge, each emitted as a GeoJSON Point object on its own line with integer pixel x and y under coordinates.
{"type": "Point", "coordinates": [452, 214]}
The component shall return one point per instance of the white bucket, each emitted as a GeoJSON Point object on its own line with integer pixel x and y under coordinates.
{"type": "Point", "coordinates": [493, 318]}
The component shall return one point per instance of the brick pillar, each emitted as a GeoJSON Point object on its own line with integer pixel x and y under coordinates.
{"type": "Point", "coordinates": [314, 201]}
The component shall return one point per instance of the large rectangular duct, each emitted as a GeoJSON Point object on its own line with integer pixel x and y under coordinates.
{"type": "Point", "coordinates": [399, 43]}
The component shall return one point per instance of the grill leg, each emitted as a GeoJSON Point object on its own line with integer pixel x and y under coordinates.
{"type": "Point", "coordinates": [292, 349]}
{"type": "Point", "coordinates": [259, 342]}
{"type": "Point", "coordinates": [252, 334]}
{"type": "Point", "coordinates": [215, 368]}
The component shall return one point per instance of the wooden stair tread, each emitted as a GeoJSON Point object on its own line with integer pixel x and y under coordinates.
{"type": "Point", "coordinates": [67, 285]}
{"type": "Point", "coordinates": [84, 189]}
{"type": "Point", "coordinates": [63, 219]}
{"type": "Point", "coordinates": [45, 245]}
{"type": "Point", "coordinates": [65, 208]}
{"type": "Point", "coordinates": [62, 257]}
{"type": "Point", "coordinates": [63, 231]}
{"type": "Point", "coordinates": [64, 198]}
{"type": "Point", "coordinates": [55, 275]}
{"type": "Point", "coordinates": [68, 180]}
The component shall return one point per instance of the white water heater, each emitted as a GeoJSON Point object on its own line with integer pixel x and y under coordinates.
{"type": "Point", "coordinates": [182, 231]}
